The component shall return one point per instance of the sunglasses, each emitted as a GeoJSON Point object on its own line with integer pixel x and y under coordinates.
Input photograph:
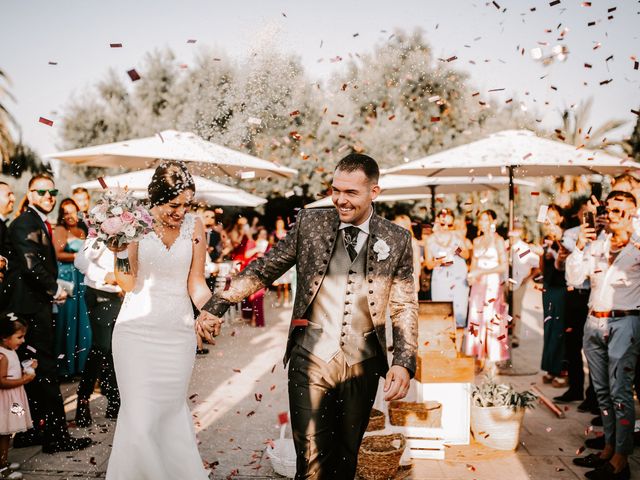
{"type": "Point", "coordinates": [614, 211]}
{"type": "Point", "coordinates": [42, 193]}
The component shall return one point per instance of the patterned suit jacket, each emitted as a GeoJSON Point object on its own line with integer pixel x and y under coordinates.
{"type": "Point", "coordinates": [308, 246]}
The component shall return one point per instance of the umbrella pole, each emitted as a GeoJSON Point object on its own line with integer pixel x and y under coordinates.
{"type": "Point", "coordinates": [510, 243]}
{"type": "Point", "coordinates": [433, 203]}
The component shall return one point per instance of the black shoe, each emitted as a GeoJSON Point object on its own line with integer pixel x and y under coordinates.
{"type": "Point", "coordinates": [596, 421]}
{"type": "Point", "coordinates": [568, 397]}
{"type": "Point", "coordinates": [67, 444]}
{"type": "Point", "coordinates": [590, 461]}
{"type": "Point", "coordinates": [83, 414]}
{"type": "Point", "coordinates": [202, 351]}
{"type": "Point", "coordinates": [588, 406]}
{"type": "Point", "coordinates": [112, 410]}
{"type": "Point", "coordinates": [596, 443]}
{"type": "Point", "coordinates": [605, 472]}
{"type": "Point", "coordinates": [27, 439]}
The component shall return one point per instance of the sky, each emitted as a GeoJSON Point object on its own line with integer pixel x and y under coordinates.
{"type": "Point", "coordinates": [486, 37]}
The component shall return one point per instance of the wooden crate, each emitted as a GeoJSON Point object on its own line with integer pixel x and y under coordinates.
{"type": "Point", "coordinates": [432, 367]}
{"type": "Point", "coordinates": [437, 328]}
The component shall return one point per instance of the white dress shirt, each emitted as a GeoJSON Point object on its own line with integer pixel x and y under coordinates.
{"type": "Point", "coordinates": [363, 233]}
{"type": "Point", "coordinates": [95, 264]}
{"type": "Point", "coordinates": [613, 287]}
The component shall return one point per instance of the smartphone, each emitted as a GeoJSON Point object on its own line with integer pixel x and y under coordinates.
{"type": "Point", "coordinates": [589, 219]}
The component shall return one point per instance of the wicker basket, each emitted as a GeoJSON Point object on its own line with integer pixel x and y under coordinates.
{"type": "Point", "coordinates": [416, 414]}
{"type": "Point", "coordinates": [283, 455]}
{"type": "Point", "coordinates": [379, 456]}
{"type": "Point", "coordinates": [376, 421]}
{"type": "Point", "coordinates": [497, 427]}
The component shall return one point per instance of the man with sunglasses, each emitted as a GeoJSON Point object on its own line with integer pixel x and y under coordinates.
{"type": "Point", "coordinates": [612, 332]}
{"type": "Point", "coordinates": [32, 289]}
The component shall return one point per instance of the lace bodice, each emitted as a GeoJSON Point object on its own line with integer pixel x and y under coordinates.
{"type": "Point", "coordinates": [164, 271]}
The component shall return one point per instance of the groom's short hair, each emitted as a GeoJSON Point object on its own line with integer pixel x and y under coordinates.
{"type": "Point", "coordinates": [358, 161]}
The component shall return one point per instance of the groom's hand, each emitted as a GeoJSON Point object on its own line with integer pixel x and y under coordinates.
{"type": "Point", "coordinates": [396, 384]}
{"type": "Point", "coordinates": [208, 326]}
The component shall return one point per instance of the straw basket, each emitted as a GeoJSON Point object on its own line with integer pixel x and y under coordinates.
{"type": "Point", "coordinates": [376, 421]}
{"type": "Point", "coordinates": [379, 456]}
{"type": "Point", "coordinates": [416, 414]}
{"type": "Point", "coordinates": [283, 455]}
{"type": "Point", "coordinates": [497, 427]}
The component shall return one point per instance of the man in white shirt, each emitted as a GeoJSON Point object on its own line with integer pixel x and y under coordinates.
{"type": "Point", "coordinates": [104, 299]}
{"type": "Point", "coordinates": [611, 337]}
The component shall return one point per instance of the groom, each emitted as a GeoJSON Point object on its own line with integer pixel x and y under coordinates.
{"type": "Point", "coordinates": [352, 267]}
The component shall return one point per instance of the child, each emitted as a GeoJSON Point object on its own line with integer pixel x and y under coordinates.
{"type": "Point", "coordinates": [15, 415]}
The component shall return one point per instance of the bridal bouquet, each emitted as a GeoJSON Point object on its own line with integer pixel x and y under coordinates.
{"type": "Point", "coordinates": [117, 220]}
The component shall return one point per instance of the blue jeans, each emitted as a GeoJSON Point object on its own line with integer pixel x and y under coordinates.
{"type": "Point", "coordinates": [611, 346]}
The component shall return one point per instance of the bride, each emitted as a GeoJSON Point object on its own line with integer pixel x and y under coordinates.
{"type": "Point", "coordinates": [154, 342]}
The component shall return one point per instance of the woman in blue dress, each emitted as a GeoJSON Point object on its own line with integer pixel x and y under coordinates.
{"type": "Point", "coordinates": [73, 331]}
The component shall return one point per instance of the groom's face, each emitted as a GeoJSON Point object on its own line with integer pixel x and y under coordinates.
{"type": "Point", "coordinates": [352, 194]}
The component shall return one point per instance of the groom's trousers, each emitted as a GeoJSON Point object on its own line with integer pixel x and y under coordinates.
{"type": "Point", "coordinates": [330, 404]}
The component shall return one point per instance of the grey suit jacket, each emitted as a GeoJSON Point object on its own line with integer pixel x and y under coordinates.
{"type": "Point", "coordinates": [308, 246]}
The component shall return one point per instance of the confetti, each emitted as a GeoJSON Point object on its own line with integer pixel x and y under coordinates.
{"type": "Point", "coordinates": [524, 254]}
{"type": "Point", "coordinates": [17, 409]}
{"type": "Point", "coordinates": [133, 75]}
{"type": "Point", "coordinates": [299, 322]}
{"type": "Point", "coordinates": [102, 183]}
{"type": "Point", "coordinates": [542, 214]}
{"type": "Point", "coordinates": [191, 40]}
{"type": "Point", "coordinates": [31, 349]}
{"type": "Point", "coordinates": [46, 121]}
{"type": "Point", "coordinates": [554, 3]}
{"type": "Point", "coordinates": [53, 63]}
{"type": "Point", "coordinates": [247, 175]}
{"type": "Point", "coordinates": [115, 45]}
{"type": "Point", "coordinates": [283, 418]}
{"type": "Point", "coordinates": [435, 119]}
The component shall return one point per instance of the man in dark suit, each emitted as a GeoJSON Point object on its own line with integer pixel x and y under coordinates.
{"type": "Point", "coordinates": [7, 200]}
{"type": "Point", "coordinates": [352, 266]}
{"type": "Point", "coordinates": [32, 289]}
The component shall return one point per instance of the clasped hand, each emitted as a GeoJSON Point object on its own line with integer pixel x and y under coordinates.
{"type": "Point", "coordinates": [208, 326]}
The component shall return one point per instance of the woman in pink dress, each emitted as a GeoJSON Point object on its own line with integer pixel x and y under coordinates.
{"type": "Point", "coordinates": [486, 337]}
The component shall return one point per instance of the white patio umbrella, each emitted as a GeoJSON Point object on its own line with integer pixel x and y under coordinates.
{"type": "Point", "coordinates": [208, 191]}
{"type": "Point", "coordinates": [515, 153]}
{"type": "Point", "coordinates": [395, 188]}
{"type": "Point", "coordinates": [211, 159]}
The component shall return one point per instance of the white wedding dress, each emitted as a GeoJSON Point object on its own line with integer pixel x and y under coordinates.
{"type": "Point", "coordinates": [154, 349]}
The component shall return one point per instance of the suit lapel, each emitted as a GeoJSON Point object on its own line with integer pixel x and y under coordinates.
{"type": "Point", "coordinates": [324, 244]}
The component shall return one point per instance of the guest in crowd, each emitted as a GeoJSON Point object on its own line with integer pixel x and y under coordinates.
{"type": "Point", "coordinates": [446, 254]}
{"type": "Point", "coordinates": [487, 335]}
{"type": "Point", "coordinates": [7, 200]}
{"type": "Point", "coordinates": [256, 249]}
{"type": "Point", "coordinates": [405, 222]}
{"type": "Point", "coordinates": [629, 183]}
{"type": "Point", "coordinates": [283, 284]}
{"type": "Point", "coordinates": [554, 296]}
{"type": "Point", "coordinates": [525, 266]}
{"type": "Point", "coordinates": [73, 329]}
{"type": "Point", "coordinates": [611, 340]}
{"type": "Point", "coordinates": [103, 298]}
{"type": "Point", "coordinates": [214, 245]}
{"type": "Point", "coordinates": [33, 288]}
{"type": "Point", "coordinates": [425, 272]}
{"type": "Point", "coordinates": [576, 312]}
{"type": "Point", "coordinates": [81, 196]}
{"type": "Point", "coordinates": [13, 398]}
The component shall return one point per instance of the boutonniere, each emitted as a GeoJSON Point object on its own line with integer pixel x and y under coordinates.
{"type": "Point", "coordinates": [382, 249]}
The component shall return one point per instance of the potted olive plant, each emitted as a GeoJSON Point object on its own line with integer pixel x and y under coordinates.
{"type": "Point", "coordinates": [497, 412]}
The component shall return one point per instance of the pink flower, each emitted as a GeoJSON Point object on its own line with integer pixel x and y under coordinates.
{"type": "Point", "coordinates": [127, 217]}
{"type": "Point", "coordinates": [112, 225]}
{"type": "Point", "coordinates": [92, 233]}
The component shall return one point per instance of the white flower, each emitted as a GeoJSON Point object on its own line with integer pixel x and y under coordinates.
{"type": "Point", "coordinates": [130, 231]}
{"type": "Point", "coordinates": [117, 210]}
{"type": "Point", "coordinates": [382, 249]}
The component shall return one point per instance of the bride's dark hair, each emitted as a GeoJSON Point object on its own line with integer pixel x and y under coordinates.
{"type": "Point", "coordinates": [170, 179]}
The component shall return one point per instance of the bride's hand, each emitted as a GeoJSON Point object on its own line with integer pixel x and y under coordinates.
{"type": "Point", "coordinates": [208, 326]}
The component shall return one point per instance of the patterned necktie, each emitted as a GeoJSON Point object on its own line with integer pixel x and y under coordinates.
{"type": "Point", "coordinates": [351, 240]}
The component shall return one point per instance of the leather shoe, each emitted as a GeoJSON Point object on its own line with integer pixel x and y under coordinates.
{"type": "Point", "coordinates": [596, 421]}
{"type": "Point", "coordinates": [590, 461]}
{"type": "Point", "coordinates": [568, 397]}
{"type": "Point", "coordinates": [588, 405]}
{"type": "Point", "coordinates": [83, 414]}
{"type": "Point", "coordinates": [596, 443]}
{"type": "Point", "coordinates": [605, 472]}
{"type": "Point", "coordinates": [27, 439]}
{"type": "Point", "coordinates": [67, 444]}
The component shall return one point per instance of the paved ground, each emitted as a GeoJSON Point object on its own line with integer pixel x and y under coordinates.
{"type": "Point", "coordinates": [238, 390]}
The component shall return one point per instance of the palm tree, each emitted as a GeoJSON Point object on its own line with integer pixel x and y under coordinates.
{"type": "Point", "coordinates": [6, 142]}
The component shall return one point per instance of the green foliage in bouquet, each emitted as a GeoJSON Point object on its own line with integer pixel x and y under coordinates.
{"type": "Point", "coordinates": [492, 394]}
